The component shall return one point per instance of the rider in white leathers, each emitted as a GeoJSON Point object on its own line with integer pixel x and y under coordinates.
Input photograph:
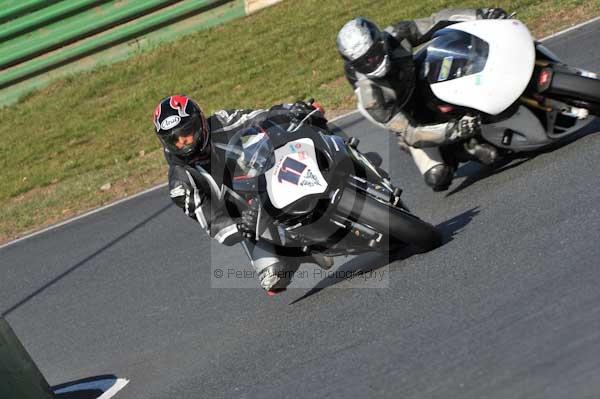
{"type": "Point", "coordinates": [379, 65]}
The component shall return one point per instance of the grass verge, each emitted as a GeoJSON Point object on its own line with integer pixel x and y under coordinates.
{"type": "Point", "coordinates": [88, 139]}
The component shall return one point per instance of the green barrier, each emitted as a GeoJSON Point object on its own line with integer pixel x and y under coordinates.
{"type": "Point", "coordinates": [45, 16]}
{"type": "Point", "coordinates": [85, 24]}
{"type": "Point", "coordinates": [204, 20]}
{"type": "Point", "coordinates": [20, 378]}
{"type": "Point", "coordinates": [15, 8]}
{"type": "Point", "coordinates": [163, 23]}
{"type": "Point", "coordinates": [118, 35]}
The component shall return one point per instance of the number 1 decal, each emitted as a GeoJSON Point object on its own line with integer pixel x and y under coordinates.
{"type": "Point", "coordinates": [291, 170]}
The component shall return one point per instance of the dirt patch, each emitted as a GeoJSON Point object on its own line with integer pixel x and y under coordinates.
{"type": "Point", "coordinates": [254, 5]}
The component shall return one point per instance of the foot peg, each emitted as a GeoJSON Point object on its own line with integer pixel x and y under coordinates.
{"type": "Point", "coordinates": [353, 142]}
{"type": "Point", "coordinates": [374, 158]}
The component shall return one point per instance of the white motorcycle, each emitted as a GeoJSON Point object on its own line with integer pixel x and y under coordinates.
{"type": "Point", "coordinates": [526, 97]}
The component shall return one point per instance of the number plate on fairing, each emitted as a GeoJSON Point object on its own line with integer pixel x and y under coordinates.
{"type": "Point", "coordinates": [295, 174]}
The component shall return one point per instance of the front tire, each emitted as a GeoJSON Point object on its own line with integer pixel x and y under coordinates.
{"type": "Point", "coordinates": [400, 225]}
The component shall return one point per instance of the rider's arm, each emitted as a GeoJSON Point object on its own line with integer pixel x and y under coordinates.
{"type": "Point", "coordinates": [431, 135]}
{"type": "Point", "coordinates": [230, 120]}
{"type": "Point", "coordinates": [296, 112]}
{"type": "Point", "coordinates": [402, 125]}
{"type": "Point", "coordinates": [194, 198]}
{"type": "Point", "coordinates": [421, 30]}
{"type": "Point", "coordinates": [350, 74]}
{"type": "Point", "coordinates": [233, 120]}
{"type": "Point", "coordinates": [387, 114]}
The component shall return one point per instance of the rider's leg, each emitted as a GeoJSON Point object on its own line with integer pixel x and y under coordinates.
{"type": "Point", "coordinates": [437, 174]}
{"type": "Point", "coordinates": [274, 272]}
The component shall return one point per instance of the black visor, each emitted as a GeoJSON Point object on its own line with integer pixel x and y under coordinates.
{"type": "Point", "coordinates": [192, 128]}
{"type": "Point", "coordinates": [371, 60]}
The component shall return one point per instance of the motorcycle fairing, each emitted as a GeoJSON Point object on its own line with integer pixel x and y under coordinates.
{"type": "Point", "coordinates": [523, 131]}
{"type": "Point", "coordinates": [526, 131]}
{"type": "Point", "coordinates": [295, 174]}
{"type": "Point", "coordinates": [507, 72]}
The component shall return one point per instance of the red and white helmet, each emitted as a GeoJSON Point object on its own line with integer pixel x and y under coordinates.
{"type": "Point", "coordinates": [180, 116]}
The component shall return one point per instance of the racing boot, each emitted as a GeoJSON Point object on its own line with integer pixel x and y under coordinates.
{"type": "Point", "coordinates": [324, 262]}
{"type": "Point", "coordinates": [439, 177]}
{"type": "Point", "coordinates": [485, 153]}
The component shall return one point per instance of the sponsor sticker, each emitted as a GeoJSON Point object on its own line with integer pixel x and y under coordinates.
{"type": "Point", "coordinates": [291, 171]}
{"type": "Point", "coordinates": [309, 179]}
{"type": "Point", "coordinates": [170, 122]}
{"type": "Point", "coordinates": [445, 69]}
{"type": "Point", "coordinates": [295, 174]}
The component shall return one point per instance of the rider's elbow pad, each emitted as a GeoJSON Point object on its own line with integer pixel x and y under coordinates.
{"type": "Point", "coordinates": [372, 100]}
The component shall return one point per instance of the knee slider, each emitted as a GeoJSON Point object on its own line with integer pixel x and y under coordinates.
{"type": "Point", "coordinates": [277, 276]}
{"type": "Point", "coordinates": [439, 177]}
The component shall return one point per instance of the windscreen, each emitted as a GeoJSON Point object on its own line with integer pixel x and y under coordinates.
{"type": "Point", "coordinates": [453, 54]}
{"type": "Point", "coordinates": [251, 151]}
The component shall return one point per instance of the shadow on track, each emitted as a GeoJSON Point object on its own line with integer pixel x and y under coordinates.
{"type": "Point", "coordinates": [339, 127]}
{"type": "Point", "coordinates": [84, 261]}
{"type": "Point", "coordinates": [475, 172]}
{"type": "Point", "coordinates": [372, 261]}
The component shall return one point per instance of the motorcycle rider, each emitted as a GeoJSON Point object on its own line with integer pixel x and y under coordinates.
{"type": "Point", "coordinates": [379, 65]}
{"type": "Point", "coordinates": [196, 163]}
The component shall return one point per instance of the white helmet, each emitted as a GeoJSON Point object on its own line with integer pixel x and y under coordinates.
{"type": "Point", "coordinates": [362, 44]}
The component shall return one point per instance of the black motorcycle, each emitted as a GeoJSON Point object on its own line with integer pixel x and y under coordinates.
{"type": "Point", "coordinates": [316, 193]}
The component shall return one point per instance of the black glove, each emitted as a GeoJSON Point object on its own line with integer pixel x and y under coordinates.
{"type": "Point", "coordinates": [300, 109]}
{"type": "Point", "coordinates": [247, 225]}
{"type": "Point", "coordinates": [493, 13]}
{"type": "Point", "coordinates": [464, 128]}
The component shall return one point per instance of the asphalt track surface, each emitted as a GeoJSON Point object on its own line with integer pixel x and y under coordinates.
{"type": "Point", "coordinates": [509, 307]}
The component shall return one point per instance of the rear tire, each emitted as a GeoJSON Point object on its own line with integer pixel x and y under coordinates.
{"type": "Point", "coordinates": [576, 90]}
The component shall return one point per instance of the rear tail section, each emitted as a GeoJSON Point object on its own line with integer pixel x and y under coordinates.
{"type": "Point", "coordinates": [575, 87]}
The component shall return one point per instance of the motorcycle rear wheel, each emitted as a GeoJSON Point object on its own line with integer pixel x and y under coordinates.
{"type": "Point", "coordinates": [577, 90]}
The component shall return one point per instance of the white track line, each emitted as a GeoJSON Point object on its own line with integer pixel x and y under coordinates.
{"type": "Point", "coordinates": [93, 385]}
{"type": "Point", "coordinates": [572, 28]}
{"type": "Point", "coordinates": [73, 219]}
{"type": "Point", "coordinates": [120, 384]}
{"type": "Point", "coordinates": [54, 226]}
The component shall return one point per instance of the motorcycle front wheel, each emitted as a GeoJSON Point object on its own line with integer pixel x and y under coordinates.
{"type": "Point", "coordinates": [400, 225]}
